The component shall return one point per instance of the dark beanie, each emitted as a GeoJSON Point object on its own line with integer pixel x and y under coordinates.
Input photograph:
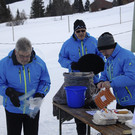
{"type": "Point", "coordinates": [106, 41]}
{"type": "Point", "coordinates": [78, 24]}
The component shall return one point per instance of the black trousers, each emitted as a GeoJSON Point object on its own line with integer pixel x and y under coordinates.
{"type": "Point", "coordinates": [80, 127]}
{"type": "Point", "coordinates": [16, 121]}
{"type": "Point", "coordinates": [130, 107]}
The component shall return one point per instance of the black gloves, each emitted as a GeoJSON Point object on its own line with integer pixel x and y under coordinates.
{"type": "Point", "coordinates": [39, 95]}
{"type": "Point", "coordinates": [74, 66]}
{"type": "Point", "coordinates": [14, 96]}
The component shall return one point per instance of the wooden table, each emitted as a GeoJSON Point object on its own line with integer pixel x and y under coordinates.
{"type": "Point", "coordinates": [80, 113]}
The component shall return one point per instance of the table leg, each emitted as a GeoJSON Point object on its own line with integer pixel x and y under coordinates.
{"type": "Point", "coordinates": [88, 130]}
{"type": "Point", "coordinates": [60, 123]}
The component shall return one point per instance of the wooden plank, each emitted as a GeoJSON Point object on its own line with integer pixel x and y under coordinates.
{"type": "Point", "coordinates": [126, 130]}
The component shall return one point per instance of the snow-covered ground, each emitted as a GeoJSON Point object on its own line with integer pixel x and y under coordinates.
{"type": "Point", "coordinates": [47, 36]}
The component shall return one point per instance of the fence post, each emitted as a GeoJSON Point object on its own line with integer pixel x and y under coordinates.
{"type": "Point", "coordinates": [120, 15]}
{"type": "Point", "coordinates": [133, 32]}
{"type": "Point", "coordinates": [68, 24]}
{"type": "Point", "coordinates": [12, 30]}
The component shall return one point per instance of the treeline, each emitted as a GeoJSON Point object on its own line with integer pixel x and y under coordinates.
{"type": "Point", "coordinates": [55, 8]}
{"type": "Point", "coordinates": [6, 15]}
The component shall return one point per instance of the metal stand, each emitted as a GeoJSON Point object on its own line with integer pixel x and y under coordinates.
{"type": "Point", "coordinates": [60, 123]}
{"type": "Point", "coordinates": [88, 130]}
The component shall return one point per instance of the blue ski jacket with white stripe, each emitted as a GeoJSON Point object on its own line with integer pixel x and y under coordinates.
{"type": "Point", "coordinates": [120, 71]}
{"type": "Point", "coordinates": [23, 78]}
{"type": "Point", "coordinates": [73, 49]}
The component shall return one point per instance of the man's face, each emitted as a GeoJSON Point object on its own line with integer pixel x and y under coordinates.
{"type": "Point", "coordinates": [23, 57]}
{"type": "Point", "coordinates": [107, 53]}
{"type": "Point", "coordinates": [80, 33]}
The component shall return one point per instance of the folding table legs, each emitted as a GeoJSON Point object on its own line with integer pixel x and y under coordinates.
{"type": "Point", "coordinates": [60, 123]}
{"type": "Point", "coordinates": [88, 130]}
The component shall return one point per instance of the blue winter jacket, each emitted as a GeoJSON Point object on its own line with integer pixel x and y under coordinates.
{"type": "Point", "coordinates": [120, 71]}
{"type": "Point", "coordinates": [73, 49]}
{"type": "Point", "coordinates": [32, 76]}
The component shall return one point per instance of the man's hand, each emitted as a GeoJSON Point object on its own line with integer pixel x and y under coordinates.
{"type": "Point", "coordinates": [105, 84]}
{"type": "Point", "coordinates": [74, 66]}
{"type": "Point", "coordinates": [14, 96]}
{"type": "Point", "coordinates": [100, 85]}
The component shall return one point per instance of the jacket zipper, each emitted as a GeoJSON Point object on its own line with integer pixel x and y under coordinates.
{"type": "Point", "coordinates": [83, 53]}
{"type": "Point", "coordinates": [25, 87]}
{"type": "Point", "coordinates": [110, 70]}
{"type": "Point", "coordinates": [82, 48]}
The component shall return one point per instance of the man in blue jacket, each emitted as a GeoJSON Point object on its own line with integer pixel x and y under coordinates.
{"type": "Point", "coordinates": [78, 45]}
{"type": "Point", "coordinates": [21, 72]}
{"type": "Point", "coordinates": [119, 71]}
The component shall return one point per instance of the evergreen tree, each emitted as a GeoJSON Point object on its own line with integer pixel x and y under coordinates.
{"type": "Point", "coordinates": [58, 7]}
{"type": "Point", "coordinates": [10, 14]}
{"type": "Point", "coordinates": [23, 15]}
{"type": "Point", "coordinates": [81, 8]}
{"type": "Point", "coordinates": [17, 15]}
{"type": "Point", "coordinates": [4, 12]}
{"type": "Point", "coordinates": [37, 9]}
{"type": "Point", "coordinates": [19, 18]}
{"type": "Point", "coordinates": [87, 5]}
{"type": "Point", "coordinates": [49, 9]}
{"type": "Point", "coordinates": [77, 6]}
{"type": "Point", "coordinates": [67, 8]}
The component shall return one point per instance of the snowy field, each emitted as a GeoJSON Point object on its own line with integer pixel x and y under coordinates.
{"type": "Point", "coordinates": [47, 36]}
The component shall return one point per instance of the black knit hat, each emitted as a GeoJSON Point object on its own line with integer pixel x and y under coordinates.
{"type": "Point", "coordinates": [78, 24]}
{"type": "Point", "coordinates": [106, 41]}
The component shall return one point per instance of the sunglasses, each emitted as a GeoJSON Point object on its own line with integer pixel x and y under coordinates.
{"type": "Point", "coordinates": [78, 31]}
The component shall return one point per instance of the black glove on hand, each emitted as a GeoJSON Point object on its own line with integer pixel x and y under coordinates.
{"type": "Point", "coordinates": [74, 66]}
{"type": "Point", "coordinates": [39, 95]}
{"type": "Point", "coordinates": [13, 95]}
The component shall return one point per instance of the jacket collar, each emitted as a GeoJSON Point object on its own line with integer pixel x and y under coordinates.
{"type": "Point", "coordinates": [116, 50]}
